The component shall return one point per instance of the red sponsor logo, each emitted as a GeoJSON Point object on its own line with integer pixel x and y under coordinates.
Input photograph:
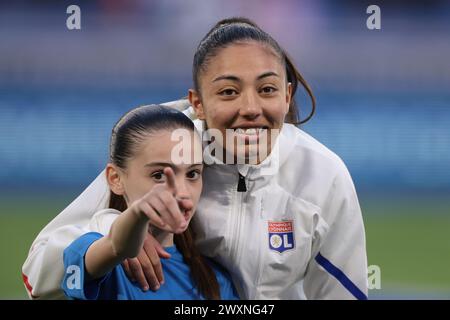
{"type": "Point", "coordinates": [282, 226]}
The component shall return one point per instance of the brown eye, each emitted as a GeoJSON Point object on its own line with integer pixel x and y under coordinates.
{"type": "Point", "coordinates": [158, 176]}
{"type": "Point", "coordinates": [193, 175]}
{"type": "Point", "coordinates": [268, 90]}
{"type": "Point", "coordinates": [228, 92]}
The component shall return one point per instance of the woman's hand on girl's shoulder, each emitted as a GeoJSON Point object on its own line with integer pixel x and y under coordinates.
{"type": "Point", "coordinates": [146, 268]}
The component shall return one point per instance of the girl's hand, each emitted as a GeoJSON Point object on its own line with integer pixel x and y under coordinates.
{"type": "Point", "coordinates": [162, 210]}
{"type": "Point", "coordinates": [161, 207]}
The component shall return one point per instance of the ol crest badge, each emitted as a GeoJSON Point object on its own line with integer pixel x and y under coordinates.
{"type": "Point", "coordinates": [281, 235]}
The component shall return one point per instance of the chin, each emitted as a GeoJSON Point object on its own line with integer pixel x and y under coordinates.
{"type": "Point", "coordinates": [250, 156]}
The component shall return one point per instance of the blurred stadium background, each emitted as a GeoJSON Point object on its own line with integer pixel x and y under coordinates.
{"type": "Point", "coordinates": [383, 105]}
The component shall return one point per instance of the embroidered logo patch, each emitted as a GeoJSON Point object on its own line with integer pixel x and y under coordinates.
{"type": "Point", "coordinates": [281, 235]}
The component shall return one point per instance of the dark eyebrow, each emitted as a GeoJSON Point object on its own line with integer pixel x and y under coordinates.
{"type": "Point", "coordinates": [227, 77]}
{"type": "Point", "coordinates": [267, 74]}
{"type": "Point", "coordinates": [196, 165]}
{"type": "Point", "coordinates": [160, 164]}
{"type": "Point", "coordinates": [167, 164]}
{"type": "Point", "coordinates": [236, 79]}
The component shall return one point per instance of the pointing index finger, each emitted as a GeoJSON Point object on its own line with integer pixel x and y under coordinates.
{"type": "Point", "coordinates": [170, 175]}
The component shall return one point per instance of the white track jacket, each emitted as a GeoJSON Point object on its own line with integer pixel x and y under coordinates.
{"type": "Point", "coordinates": [293, 231]}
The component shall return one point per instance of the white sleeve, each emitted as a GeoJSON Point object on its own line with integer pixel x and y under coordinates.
{"type": "Point", "coordinates": [338, 269]}
{"type": "Point", "coordinates": [102, 221]}
{"type": "Point", "coordinates": [181, 105]}
{"type": "Point", "coordinates": [43, 269]}
{"type": "Point", "coordinates": [184, 106]}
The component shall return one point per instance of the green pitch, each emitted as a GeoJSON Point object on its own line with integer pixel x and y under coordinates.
{"type": "Point", "coordinates": [410, 242]}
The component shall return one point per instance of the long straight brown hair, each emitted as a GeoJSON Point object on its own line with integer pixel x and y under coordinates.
{"type": "Point", "coordinates": [127, 135]}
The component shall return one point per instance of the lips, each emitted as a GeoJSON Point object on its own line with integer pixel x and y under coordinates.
{"type": "Point", "coordinates": [187, 214]}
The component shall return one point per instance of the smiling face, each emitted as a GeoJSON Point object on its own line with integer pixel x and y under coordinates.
{"type": "Point", "coordinates": [243, 88]}
{"type": "Point", "coordinates": [145, 169]}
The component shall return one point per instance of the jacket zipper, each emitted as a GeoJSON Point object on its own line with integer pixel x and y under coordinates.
{"type": "Point", "coordinates": [241, 184]}
{"type": "Point", "coordinates": [238, 211]}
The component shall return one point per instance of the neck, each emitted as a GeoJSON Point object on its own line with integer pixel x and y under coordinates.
{"type": "Point", "coordinates": [163, 237]}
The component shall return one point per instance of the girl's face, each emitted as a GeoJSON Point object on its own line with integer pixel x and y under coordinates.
{"type": "Point", "coordinates": [243, 87]}
{"type": "Point", "coordinates": [145, 169]}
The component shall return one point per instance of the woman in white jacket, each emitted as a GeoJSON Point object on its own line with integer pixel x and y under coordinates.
{"type": "Point", "coordinates": [287, 227]}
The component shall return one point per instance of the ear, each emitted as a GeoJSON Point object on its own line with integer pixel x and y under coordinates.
{"type": "Point", "coordinates": [113, 177]}
{"type": "Point", "coordinates": [288, 95]}
{"type": "Point", "coordinates": [194, 99]}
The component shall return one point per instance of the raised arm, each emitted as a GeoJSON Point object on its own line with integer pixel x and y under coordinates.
{"type": "Point", "coordinates": [129, 230]}
{"type": "Point", "coordinates": [43, 269]}
{"type": "Point", "coordinates": [124, 240]}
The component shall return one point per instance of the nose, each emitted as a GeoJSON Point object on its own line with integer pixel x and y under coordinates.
{"type": "Point", "coordinates": [182, 191]}
{"type": "Point", "coordinates": [183, 196]}
{"type": "Point", "coordinates": [251, 107]}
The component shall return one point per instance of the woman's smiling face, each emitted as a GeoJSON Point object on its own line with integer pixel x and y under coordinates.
{"type": "Point", "coordinates": [243, 87]}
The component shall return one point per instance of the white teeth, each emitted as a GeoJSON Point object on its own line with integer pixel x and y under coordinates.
{"type": "Point", "coordinates": [249, 131]}
{"type": "Point", "coordinates": [261, 130]}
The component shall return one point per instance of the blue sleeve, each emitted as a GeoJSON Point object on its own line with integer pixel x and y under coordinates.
{"type": "Point", "coordinates": [76, 283]}
{"type": "Point", "coordinates": [227, 289]}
